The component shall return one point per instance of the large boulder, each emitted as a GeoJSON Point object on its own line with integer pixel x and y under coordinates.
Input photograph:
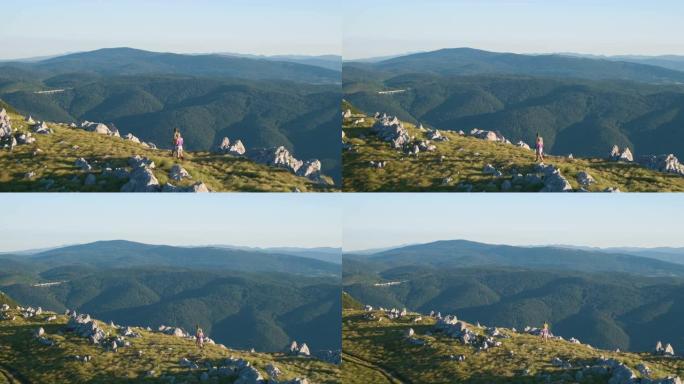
{"type": "Point", "coordinates": [99, 128]}
{"type": "Point", "coordinates": [390, 129]}
{"type": "Point", "coordinates": [5, 130]}
{"type": "Point", "coordinates": [132, 138]}
{"type": "Point", "coordinates": [279, 157]}
{"type": "Point", "coordinates": [553, 179]}
{"type": "Point", "coordinates": [617, 155]}
{"type": "Point", "coordinates": [179, 173]}
{"type": "Point", "coordinates": [141, 180]}
{"type": "Point", "coordinates": [235, 148]}
{"type": "Point", "coordinates": [585, 179]}
{"type": "Point", "coordinates": [41, 128]}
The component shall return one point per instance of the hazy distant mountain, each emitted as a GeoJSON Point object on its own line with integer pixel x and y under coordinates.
{"type": "Point", "coordinates": [129, 61]}
{"type": "Point", "coordinates": [674, 62]}
{"type": "Point", "coordinates": [468, 61]}
{"type": "Point", "coordinates": [461, 253]}
{"type": "Point", "coordinates": [333, 62]}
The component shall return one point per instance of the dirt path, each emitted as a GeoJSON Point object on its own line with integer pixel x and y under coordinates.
{"type": "Point", "coordinates": [367, 364]}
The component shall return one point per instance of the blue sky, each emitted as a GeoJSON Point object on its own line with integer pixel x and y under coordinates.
{"type": "Point", "coordinates": [385, 27]}
{"type": "Point", "coordinates": [44, 27]}
{"type": "Point", "coordinates": [30, 221]}
{"type": "Point", "coordinates": [603, 220]}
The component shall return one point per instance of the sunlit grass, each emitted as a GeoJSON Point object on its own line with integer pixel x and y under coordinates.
{"type": "Point", "coordinates": [54, 168]}
{"type": "Point", "coordinates": [464, 159]}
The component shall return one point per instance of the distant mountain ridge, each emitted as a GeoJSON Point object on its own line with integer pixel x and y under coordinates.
{"type": "Point", "coordinates": [469, 61]}
{"type": "Point", "coordinates": [463, 253]}
{"type": "Point", "coordinates": [108, 254]}
{"type": "Point", "coordinates": [130, 61]}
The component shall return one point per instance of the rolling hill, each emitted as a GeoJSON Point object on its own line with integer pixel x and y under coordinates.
{"type": "Point", "coordinates": [61, 354]}
{"type": "Point", "coordinates": [610, 300]}
{"type": "Point", "coordinates": [71, 158]}
{"type": "Point", "coordinates": [383, 348]}
{"type": "Point", "coordinates": [229, 292]}
{"type": "Point", "coordinates": [465, 162]}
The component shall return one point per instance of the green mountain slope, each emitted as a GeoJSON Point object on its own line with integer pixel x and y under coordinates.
{"type": "Point", "coordinates": [49, 164]}
{"type": "Point", "coordinates": [378, 346]}
{"type": "Point", "coordinates": [582, 117]}
{"type": "Point", "coordinates": [229, 292]}
{"type": "Point", "coordinates": [152, 356]}
{"type": "Point", "coordinates": [371, 164]}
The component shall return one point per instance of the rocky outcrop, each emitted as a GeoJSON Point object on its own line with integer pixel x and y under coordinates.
{"type": "Point", "coordinates": [141, 178]}
{"type": "Point", "coordinates": [585, 179]}
{"type": "Point", "coordinates": [662, 163]}
{"type": "Point", "coordinates": [390, 129]}
{"type": "Point", "coordinates": [553, 179]}
{"type": "Point", "coordinates": [298, 349]}
{"type": "Point", "coordinates": [277, 157]}
{"type": "Point", "coordinates": [179, 173]}
{"type": "Point", "coordinates": [235, 148]}
{"type": "Point", "coordinates": [282, 158]}
{"type": "Point", "coordinates": [617, 155]}
{"type": "Point", "coordinates": [100, 128]}
{"type": "Point", "coordinates": [132, 138]}
{"type": "Point", "coordinates": [41, 128]}
{"type": "Point", "coordinates": [489, 135]}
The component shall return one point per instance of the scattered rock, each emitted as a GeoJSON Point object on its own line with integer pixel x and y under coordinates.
{"type": "Point", "coordinates": [178, 173]}
{"type": "Point", "coordinates": [83, 164]}
{"type": "Point", "coordinates": [585, 179]}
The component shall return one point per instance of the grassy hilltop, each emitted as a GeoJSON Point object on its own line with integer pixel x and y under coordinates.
{"type": "Point", "coordinates": [152, 357]}
{"type": "Point", "coordinates": [49, 165]}
{"type": "Point", "coordinates": [458, 165]}
{"type": "Point", "coordinates": [381, 350]}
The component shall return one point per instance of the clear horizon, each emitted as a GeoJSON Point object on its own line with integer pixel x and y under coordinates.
{"type": "Point", "coordinates": [261, 27]}
{"type": "Point", "coordinates": [267, 220]}
{"type": "Point", "coordinates": [372, 221]}
{"type": "Point", "coordinates": [608, 27]}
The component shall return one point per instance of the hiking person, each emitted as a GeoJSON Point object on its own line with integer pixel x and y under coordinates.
{"type": "Point", "coordinates": [176, 135]}
{"type": "Point", "coordinates": [539, 148]}
{"type": "Point", "coordinates": [545, 331]}
{"type": "Point", "coordinates": [199, 337]}
{"type": "Point", "coordinates": [179, 147]}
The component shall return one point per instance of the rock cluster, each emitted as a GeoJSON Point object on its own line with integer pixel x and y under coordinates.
{"type": "Point", "coordinates": [100, 128]}
{"type": "Point", "coordinates": [452, 327]}
{"type": "Point", "coordinates": [282, 158]}
{"type": "Point", "coordinates": [489, 135]}
{"type": "Point", "coordinates": [235, 148]}
{"type": "Point", "coordinates": [617, 155]}
{"type": "Point", "coordinates": [662, 163]}
{"type": "Point", "coordinates": [390, 129]}
{"type": "Point", "coordinates": [41, 128]}
{"type": "Point", "coordinates": [141, 178]}
{"type": "Point", "coordinates": [664, 351]}
{"type": "Point", "coordinates": [553, 179]}
{"type": "Point", "coordinates": [298, 349]}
